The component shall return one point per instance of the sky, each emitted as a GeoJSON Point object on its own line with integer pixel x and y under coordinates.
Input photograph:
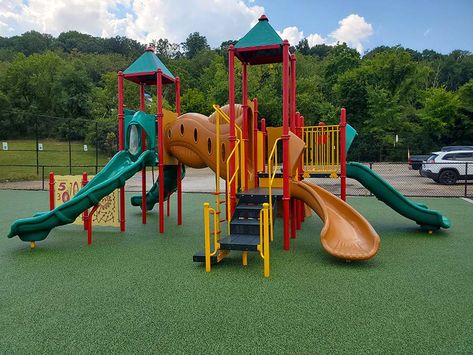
{"type": "Point", "coordinates": [441, 25]}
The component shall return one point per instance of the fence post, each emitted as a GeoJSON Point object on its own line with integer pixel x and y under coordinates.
{"type": "Point", "coordinates": [466, 179]}
{"type": "Point", "coordinates": [70, 149]}
{"type": "Point", "coordinates": [371, 168]}
{"type": "Point", "coordinates": [96, 147]}
{"type": "Point", "coordinates": [51, 190]}
{"type": "Point", "coordinates": [42, 177]}
{"type": "Point", "coordinates": [37, 148]}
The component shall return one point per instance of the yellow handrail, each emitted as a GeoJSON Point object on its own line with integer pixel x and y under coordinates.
{"type": "Point", "coordinates": [207, 211]}
{"type": "Point", "coordinates": [322, 148]}
{"type": "Point", "coordinates": [271, 175]}
{"type": "Point", "coordinates": [240, 161]}
{"type": "Point", "coordinates": [263, 246]}
{"type": "Point", "coordinates": [217, 169]}
{"type": "Point", "coordinates": [230, 180]}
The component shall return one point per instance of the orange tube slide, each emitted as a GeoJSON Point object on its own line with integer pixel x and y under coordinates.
{"type": "Point", "coordinates": [192, 139]}
{"type": "Point", "coordinates": [346, 233]}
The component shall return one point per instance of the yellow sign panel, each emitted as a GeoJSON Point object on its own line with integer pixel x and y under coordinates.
{"type": "Point", "coordinates": [106, 214]}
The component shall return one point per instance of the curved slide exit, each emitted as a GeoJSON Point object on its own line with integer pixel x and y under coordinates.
{"type": "Point", "coordinates": [170, 186]}
{"type": "Point", "coordinates": [426, 218]}
{"type": "Point", "coordinates": [346, 233]}
{"type": "Point", "coordinates": [121, 167]}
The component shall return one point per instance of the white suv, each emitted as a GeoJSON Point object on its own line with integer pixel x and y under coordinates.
{"type": "Point", "coordinates": [448, 167]}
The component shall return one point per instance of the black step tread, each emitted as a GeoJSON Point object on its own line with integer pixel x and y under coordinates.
{"type": "Point", "coordinates": [245, 221]}
{"type": "Point", "coordinates": [240, 242]}
{"type": "Point", "coordinates": [266, 175]}
{"type": "Point", "coordinates": [199, 257]}
{"type": "Point", "coordinates": [261, 191]}
{"type": "Point", "coordinates": [244, 206]}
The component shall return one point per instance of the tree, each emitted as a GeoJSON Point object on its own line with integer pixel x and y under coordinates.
{"type": "Point", "coordinates": [166, 50]}
{"type": "Point", "coordinates": [439, 113]}
{"type": "Point", "coordinates": [303, 46]}
{"type": "Point", "coordinates": [338, 61]}
{"type": "Point", "coordinates": [194, 44]}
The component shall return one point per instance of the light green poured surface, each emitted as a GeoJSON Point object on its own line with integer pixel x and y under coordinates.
{"type": "Point", "coordinates": [140, 292]}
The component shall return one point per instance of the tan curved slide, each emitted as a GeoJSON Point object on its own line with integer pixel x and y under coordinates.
{"type": "Point", "coordinates": [346, 233]}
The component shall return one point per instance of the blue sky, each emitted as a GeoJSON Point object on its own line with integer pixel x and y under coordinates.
{"type": "Point", "coordinates": [363, 24]}
{"type": "Point", "coordinates": [417, 24]}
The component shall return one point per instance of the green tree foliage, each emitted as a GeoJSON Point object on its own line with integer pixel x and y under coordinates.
{"type": "Point", "coordinates": [194, 44]}
{"type": "Point", "coordinates": [66, 87]}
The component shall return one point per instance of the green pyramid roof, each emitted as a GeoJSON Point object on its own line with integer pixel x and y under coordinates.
{"type": "Point", "coordinates": [144, 69]}
{"type": "Point", "coordinates": [261, 45]}
{"type": "Point", "coordinates": [262, 34]}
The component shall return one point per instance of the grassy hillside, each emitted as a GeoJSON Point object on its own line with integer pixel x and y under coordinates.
{"type": "Point", "coordinates": [19, 162]}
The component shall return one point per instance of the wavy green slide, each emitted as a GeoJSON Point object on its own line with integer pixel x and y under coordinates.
{"type": "Point", "coordinates": [113, 176]}
{"type": "Point", "coordinates": [170, 186]}
{"type": "Point", "coordinates": [426, 218]}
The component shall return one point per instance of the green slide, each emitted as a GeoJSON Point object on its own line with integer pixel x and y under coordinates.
{"type": "Point", "coordinates": [113, 176]}
{"type": "Point", "coordinates": [426, 218]}
{"type": "Point", "coordinates": [170, 186]}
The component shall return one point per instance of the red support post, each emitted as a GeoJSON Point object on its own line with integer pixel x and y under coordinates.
{"type": "Point", "coordinates": [51, 190]}
{"type": "Point", "coordinates": [300, 204]}
{"type": "Point", "coordinates": [293, 203]}
{"type": "Point", "coordinates": [86, 212]}
{"type": "Point", "coordinates": [232, 138]}
{"type": "Point", "coordinates": [143, 148]}
{"type": "Point", "coordinates": [255, 140]}
{"type": "Point", "coordinates": [285, 139]}
{"type": "Point", "coordinates": [89, 224]}
{"type": "Point", "coordinates": [343, 154]}
{"type": "Point", "coordinates": [292, 110]}
{"type": "Point", "coordinates": [121, 144]}
{"type": "Point", "coordinates": [293, 93]}
{"type": "Point", "coordinates": [244, 104]}
{"type": "Point", "coordinates": [303, 204]}
{"type": "Point", "coordinates": [263, 148]}
{"type": "Point", "coordinates": [179, 164]}
{"type": "Point", "coordinates": [159, 95]}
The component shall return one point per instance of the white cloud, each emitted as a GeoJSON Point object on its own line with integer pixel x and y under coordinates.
{"type": "Point", "coordinates": [314, 39]}
{"type": "Point", "coordinates": [353, 30]}
{"type": "Point", "coordinates": [427, 32]}
{"type": "Point", "coordinates": [142, 20]}
{"type": "Point", "coordinates": [292, 34]}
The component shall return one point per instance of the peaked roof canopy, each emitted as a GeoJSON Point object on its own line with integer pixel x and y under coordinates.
{"type": "Point", "coordinates": [143, 70]}
{"type": "Point", "coordinates": [261, 45]}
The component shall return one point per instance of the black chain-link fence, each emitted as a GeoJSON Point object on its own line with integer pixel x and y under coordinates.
{"type": "Point", "coordinates": [71, 145]}
{"type": "Point", "coordinates": [410, 182]}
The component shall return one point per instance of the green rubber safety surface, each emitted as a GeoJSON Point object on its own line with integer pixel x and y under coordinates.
{"type": "Point", "coordinates": [139, 291]}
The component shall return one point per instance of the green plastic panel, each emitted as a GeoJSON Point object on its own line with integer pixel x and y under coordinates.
{"type": "Point", "coordinates": [148, 62]}
{"type": "Point", "coordinates": [142, 121]}
{"type": "Point", "coordinates": [262, 34]}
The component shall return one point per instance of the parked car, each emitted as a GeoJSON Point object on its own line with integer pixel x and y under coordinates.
{"type": "Point", "coordinates": [451, 148]}
{"type": "Point", "coordinates": [448, 167]}
{"type": "Point", "coordinates": [415, 161]}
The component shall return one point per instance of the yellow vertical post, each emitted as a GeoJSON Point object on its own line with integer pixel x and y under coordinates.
{"type": "Point", "coordinates": [265, 240]}
{"type": "Point", "coordinates": [244, 258]}
{"type": "Point", "coordinates": [217, 172]}
{"type": "Point", "coordinates": [207, 236]}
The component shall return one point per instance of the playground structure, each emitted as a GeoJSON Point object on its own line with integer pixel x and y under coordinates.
{"type": "Point", "coordinates": [236, 144]}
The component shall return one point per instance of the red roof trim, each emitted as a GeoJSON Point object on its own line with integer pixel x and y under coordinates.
{"type": "Point", "coordinates": [136, 76]}
{"type": "Point", "coordinates": [258, 48]}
